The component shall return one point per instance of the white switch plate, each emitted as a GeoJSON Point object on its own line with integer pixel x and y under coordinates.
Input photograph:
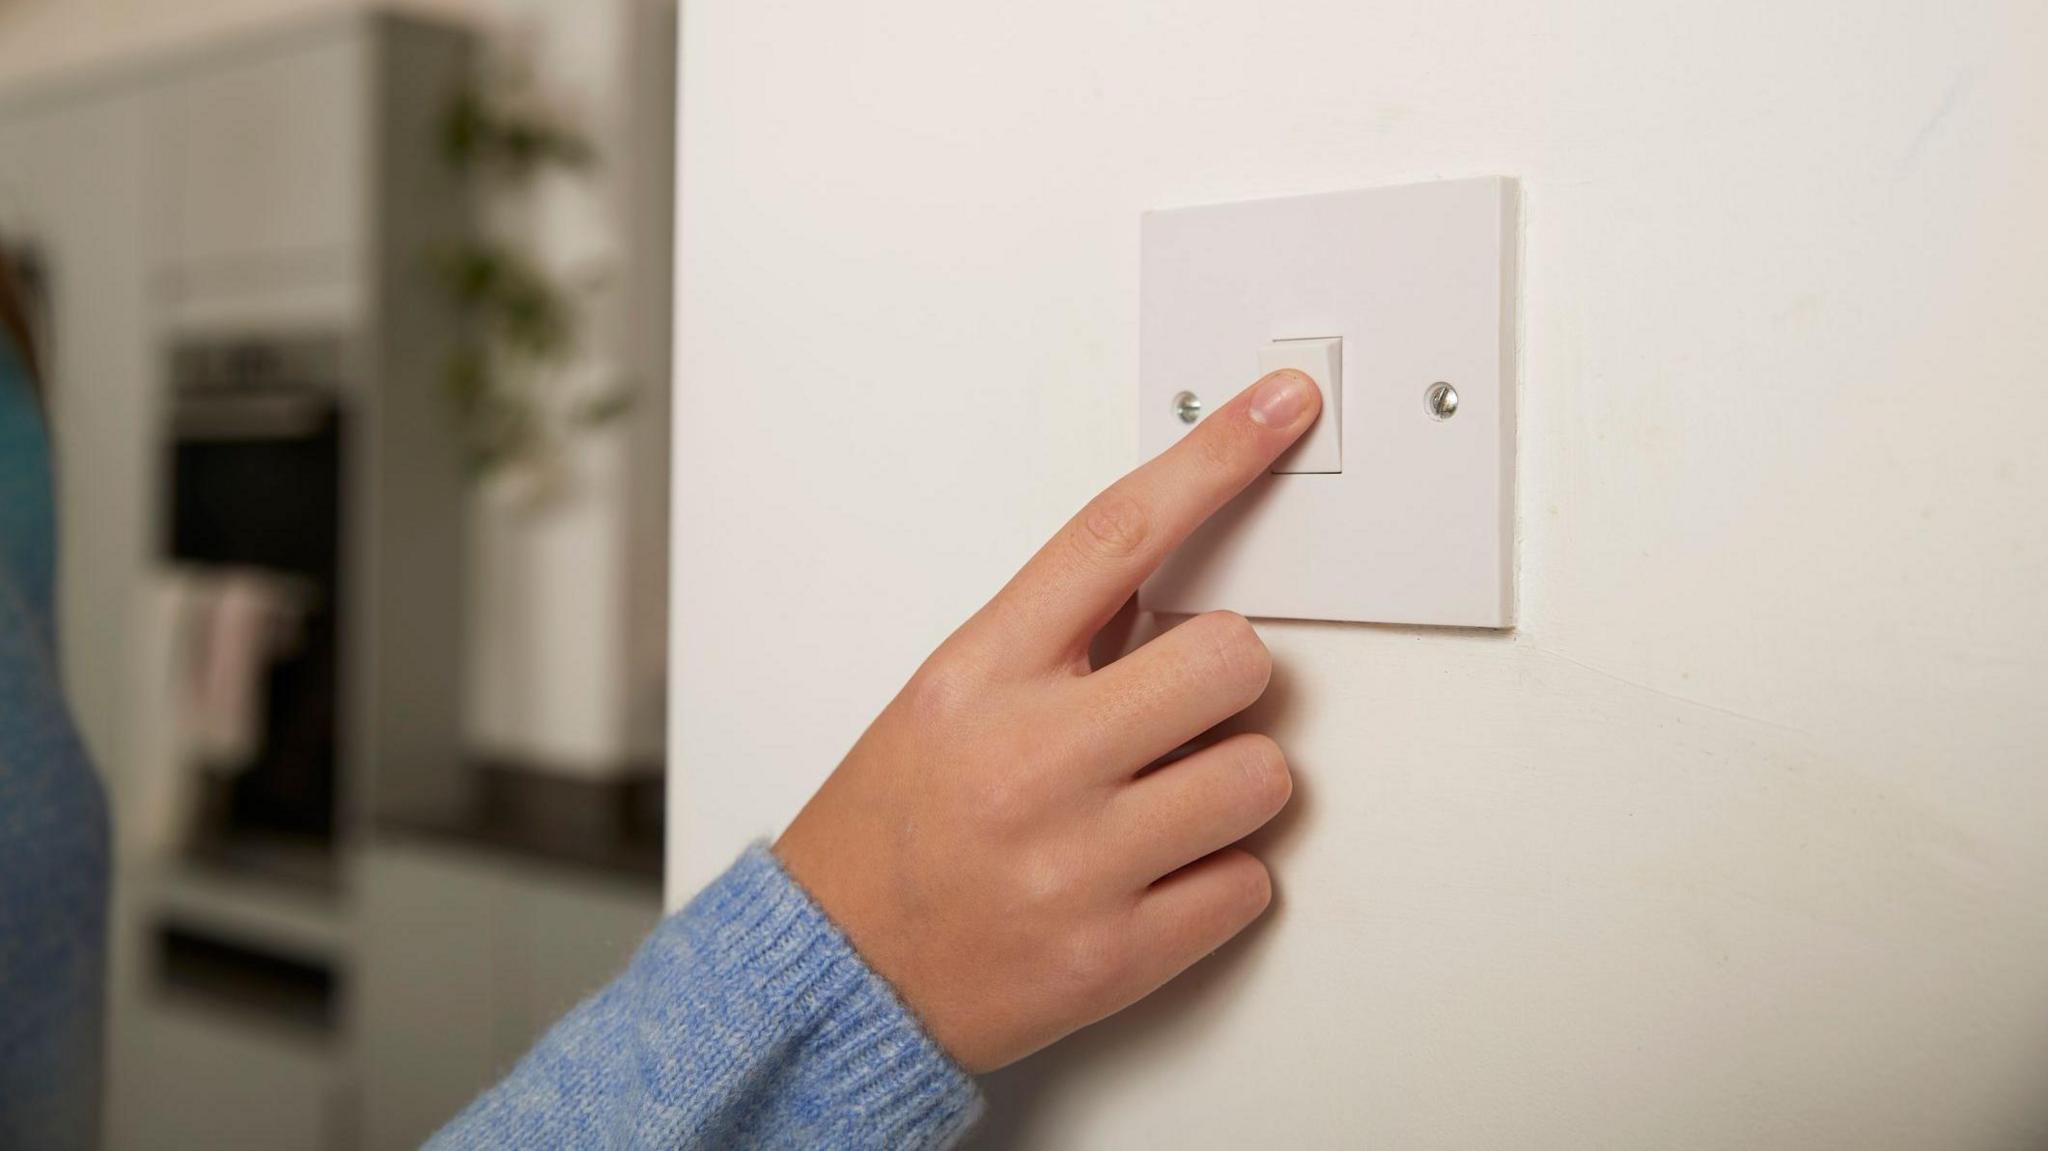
{"type": "Point", "coordinates": [1419, 283]}
{"type": "Point", "coordinates": [1321, 448]}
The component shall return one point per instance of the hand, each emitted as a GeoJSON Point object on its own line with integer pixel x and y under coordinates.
{"type": "Point", "coordinates": [994, 845]}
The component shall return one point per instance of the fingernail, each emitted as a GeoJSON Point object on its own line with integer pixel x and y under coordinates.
{"type": "Point", "coordinates": [1281, 399]}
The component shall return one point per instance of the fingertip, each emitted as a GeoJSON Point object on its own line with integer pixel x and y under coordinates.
{"type": "Point", "coordinates": [1258, 884]}
{"type": "Point", "coordinates": [1285, 400]}
{"type": "Point", "coordinates": [1240, 885]}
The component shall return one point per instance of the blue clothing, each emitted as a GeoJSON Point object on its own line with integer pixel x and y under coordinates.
{"type": "Point", "coordinates": [53, 822]}
{"type": "Point", "coordinates": [747, 1020]}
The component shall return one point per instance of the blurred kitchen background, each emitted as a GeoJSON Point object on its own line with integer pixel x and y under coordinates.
{"type": "Point", "coordinates": [356, 320]}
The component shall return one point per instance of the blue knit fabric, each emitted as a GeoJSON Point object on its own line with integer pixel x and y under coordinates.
{"type": "Point", "coordinates": [53, 823]}
{"type": "Point", "coordinates": [747, 1020]}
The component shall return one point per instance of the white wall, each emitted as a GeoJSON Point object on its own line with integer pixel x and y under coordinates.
{"type": "Point", "coordinates": [1742, 838]}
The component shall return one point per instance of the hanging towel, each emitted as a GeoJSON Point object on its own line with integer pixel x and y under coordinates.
{"type": "Point", "coordinates": [206, 647]}
{"type": "Point", "coordinates": [240, 618]}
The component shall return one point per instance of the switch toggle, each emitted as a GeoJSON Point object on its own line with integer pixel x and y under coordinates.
{"type": "Point", "coordinates": [1321, 448]}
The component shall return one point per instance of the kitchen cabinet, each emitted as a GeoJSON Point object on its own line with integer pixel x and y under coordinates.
{"type": "Point", "coordinates": [469, 955]}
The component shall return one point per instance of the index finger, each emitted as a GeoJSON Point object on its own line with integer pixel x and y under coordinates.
{"type": "Point", "coordinates": [1076, 582]}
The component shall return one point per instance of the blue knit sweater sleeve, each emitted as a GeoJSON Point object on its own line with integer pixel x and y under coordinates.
{"type": "Point", "coordinates": [53, 822]}
{"type": "Point", "coordinates": [746, 1020]}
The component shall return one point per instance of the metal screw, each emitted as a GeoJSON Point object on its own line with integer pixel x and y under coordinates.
{"type": "Point", "coordinates": [1441, 400]}
{"type": "Point", "coordinates": [1188, 406]}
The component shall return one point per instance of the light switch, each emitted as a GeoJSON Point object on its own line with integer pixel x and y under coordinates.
{"type": "Point", "coordinates": [1398, 506]}
{"type": "Point", "coordinates": [1321, 448]}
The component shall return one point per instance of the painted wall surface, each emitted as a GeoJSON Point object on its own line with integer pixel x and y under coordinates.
{"type": "Point", "coordinates": [1741, 840]}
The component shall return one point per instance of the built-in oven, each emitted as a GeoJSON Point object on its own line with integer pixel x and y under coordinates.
{"type": "Point", "coordinates": [256, 443]}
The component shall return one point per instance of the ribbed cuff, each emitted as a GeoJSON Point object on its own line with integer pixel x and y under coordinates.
{"type": "Point", "coordinates": [866, 1072]}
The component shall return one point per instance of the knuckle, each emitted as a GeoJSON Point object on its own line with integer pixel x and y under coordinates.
{"type": "Point", "coordinates": [1002, 804]}
{"type": "Point", "coordinates": [1087, 961]}
{"type": "Point", "coordinates": [1241, 654]}
{"type": "Point", "coordinates": [1113, 526]}
{"type": "Point", "coordinates": [939, 692]}
{"type": "Point", "coordinates": [1047, 883]}
{"type": "Point", "coordinates": [1218, 450]}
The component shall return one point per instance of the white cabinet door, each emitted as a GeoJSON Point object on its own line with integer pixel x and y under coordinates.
{"type": "Point", "coordinates": [430, 996]}
{"type": "Point", "coordinates": [565, 937]}
{"type": "Point", "coordinates": [260, 164]}
{"type": "Point", "coordinates": [469, 957]}
{"type": "Point", "coordinates": [70, 189]}
{"type": "Point", "coordinates": [210, 1082]}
